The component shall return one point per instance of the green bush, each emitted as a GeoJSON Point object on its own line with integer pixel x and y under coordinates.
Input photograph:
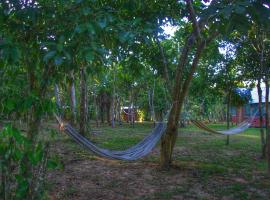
{"type": "Point", "coordinates": [23, 166]}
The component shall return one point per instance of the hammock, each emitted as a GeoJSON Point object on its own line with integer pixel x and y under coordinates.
{"type": "Point", "coordinates": [135, 152]}
{"type": "Point", "coordinates": [232, 131]}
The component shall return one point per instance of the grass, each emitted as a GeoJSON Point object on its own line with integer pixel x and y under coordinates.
{"type": "Point", "coordinates": [207, 164]}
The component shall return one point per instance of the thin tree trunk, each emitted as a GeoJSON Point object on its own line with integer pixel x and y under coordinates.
{"type": "Point", "coordinates": [149, 103]}
{"type": "Point", "coordinates": [102, 114]}
{"type": "Point", "coordinates": [267, 121]}
{"type": "Point", "coordinates": [96, 110]}
{"type": "Point", "coordinates": [152, 104]}
{"type": "Point", "coordinates": [108, 111]}
{"type": "Point", "coordinates": [113, 99]}
{"type": "Point", "coordinates": [34, 121]}
{"type": "Point", "coordinates": [228, 115]}
{"type": "Point", "coordinates": [87, 107]}
{"type": "Point", "coordinates": [113, 114]}
{"type": "Point", "coordinates": [132, 114]}
{"type": "Point", "coordinates": [119, 110]}
{"type": "Point", "coordinates": [83, 102]}
{"type": "Point", "coordinates": [165, 65]}
{"type": "Point", "coordinates": [72, 96]}
{"type": "Point", "coordinates": [129, 117]}
{"type": "Point", "coordinates": [57, 96]}
{"type": "Point", "coordinates": [263, 142]}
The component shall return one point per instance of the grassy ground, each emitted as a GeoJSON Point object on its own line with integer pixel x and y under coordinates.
{"type": "Point", "coordinates": [204, 167]}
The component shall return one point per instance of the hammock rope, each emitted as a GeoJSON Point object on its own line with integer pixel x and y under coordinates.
{"type": "Point", "coordinates": [232, 131]}
{"type": "Point", "coordinates": [135, 152]}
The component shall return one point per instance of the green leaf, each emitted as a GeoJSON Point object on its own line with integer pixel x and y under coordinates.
{"type": "Point", "coordinates": [124, 36]}
{"type": "Point", "coordinates": [86, 11]}
{"type": "Point", "coordinates": [52, 164]}
{"type": "Point", "coordinates": [102, 22]}
{"type": "Point", "coordinates": [89, 56]}
{"type": "Point", "coordinates": [10, 105]}
{"type": "Point", "coordinates": [90, 28]}
{"type": "Point", "coordinates": [49, 55]}
{"type": "Point", "coordinates": [58, 60]}
{"type": "Point", "coordinates": [18, 154]}
{"type": "Point", "coordinates": [227, 12]}
{"type": "Point", "coordinates": [78, 29]}
{"type": "Point", "coordinates": [19, 138]}
{"type": "Point", "coordinates": [60, 47]}
{"type": "Point", "coordinates": [22, 188]}
{"type": "Point", "coordinates": [240, 10]}
{"type": "Point", "coordinates": [67, 55]}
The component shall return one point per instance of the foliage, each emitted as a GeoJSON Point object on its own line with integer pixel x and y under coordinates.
{"type": "Point", "coordinates": [125, 52]}
{"type": "Point", "coordinates": [17, 182]}
{"type": "Point", "coordinates": [241, 96]}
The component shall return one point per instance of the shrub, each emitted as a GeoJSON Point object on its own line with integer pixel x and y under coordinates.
{"type": "Point", "coordinates": [23, 166]}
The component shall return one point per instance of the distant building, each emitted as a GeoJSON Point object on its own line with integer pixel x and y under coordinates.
{"type": "Point", "coordinates": [126, 114]}
{"type": "Point", "coordinates": [242, 113]}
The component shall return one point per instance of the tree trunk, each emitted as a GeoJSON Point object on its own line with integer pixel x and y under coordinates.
{"type": "Point", "coordinates": [113, 113]}
{"type": "Point", "coordinates": [267, 121]}
{"type": "Point", "coordinates": [34, 121]}
{"type": "Point", "coordinates": [113, 99]}
{"type": "Point", "coordinates": [108, 111]}
{"type": "Point", "coordinates": [101, 104]}
{"type": "Point", "coordinates": [179, 93]}
{"type": "Point", "coordinates": [263, 142]}
{"type": "Point", "coordinates": [167, 144]}
{"type": "Point", "coordinates": [181, 85]}
{"type": "Point", "coordinates": [83, 102]}
{"type": "Point", "coordinates": [132, 109]}
{"type": "Point", "coordinates": [72, 96]}
{"type": "Point", "coordinates": [151, 105]}
{"type": "Point", "coordinates": [129, 116]}
{"type": "Point", "coordinates": [119, 110]}
{"type": "Point", "coordinates": [96, 110]}
{"type": "Point", "coordinates": [228, 115]}
{"type": "Point", "coordinates": [57, 96]}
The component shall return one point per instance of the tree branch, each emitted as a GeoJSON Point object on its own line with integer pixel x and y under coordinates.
{"type": "Point", "coordinates": [184, 89]}
{"type": "Point", "coordinates": [165, 65]}
{"type": "Point", "coordinates": [194, 21]}
{"type": "Point", "coordinates": [210, 38]}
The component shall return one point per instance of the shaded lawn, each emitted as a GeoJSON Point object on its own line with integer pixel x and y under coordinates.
{"type": "Point", "coordinates": [204, 167]}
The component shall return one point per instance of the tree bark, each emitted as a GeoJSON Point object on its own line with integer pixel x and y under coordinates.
{"type": "Point", "coordinates": [165, 65]}
{"type": "Point", "coordinates": [263, 142]}
{"type": "Point", "coordinates": [34, 119]}
{"type": "Point", "coordinates": [180, 91]}
{"type": "Point", "coordinates": [72, 96]}
{"type": "Point", "coordinates": [108, 111]}
{"type": "Point", "coordinates": [113, 99]}
{"type": "Point", "coordinates": [57, 96]}
{"type": "Point", "coordinates": [267, 121]}
{"type": "Point", "coordinates": [228, 115]}
{"type": "Point", "coordinates": [96, 110]}
{"type": "Point", "coordinates": [151, 104]}
{"type": "Point", "coordinates": [119, 110]}
{"type": "Point", "coordinates": [181, 85]}
{"type": "Point", "coordinates": [83, 102]}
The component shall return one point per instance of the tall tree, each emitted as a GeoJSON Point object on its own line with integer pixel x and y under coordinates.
{"type": "Point", "coordinates": [207, 22]}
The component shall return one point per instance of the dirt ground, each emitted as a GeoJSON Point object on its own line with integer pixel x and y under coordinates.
{"type": "Point", "coordinates": [86, 176]}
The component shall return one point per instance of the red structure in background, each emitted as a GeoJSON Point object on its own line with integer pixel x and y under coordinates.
{"type": "Point", "coordinates": [245, 112]}
{"type": "Point", "coordinates": [126, 114]}
{"type": "Point", "coordinates": [242, 113]}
